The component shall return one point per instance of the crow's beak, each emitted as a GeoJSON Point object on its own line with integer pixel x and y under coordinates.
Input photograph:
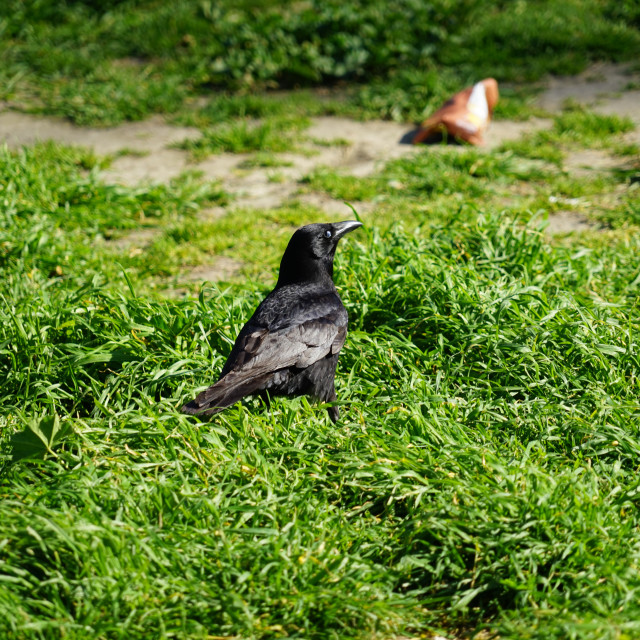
{"type": "Point", "coordinates": [342, 228]}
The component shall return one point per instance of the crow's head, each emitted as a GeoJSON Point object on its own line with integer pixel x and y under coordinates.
{"type": "Point", "coordinates": [309, 254]}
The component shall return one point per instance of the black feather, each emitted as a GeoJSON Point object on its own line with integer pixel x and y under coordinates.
{"type": "Point", "coordinates": [290, 346]}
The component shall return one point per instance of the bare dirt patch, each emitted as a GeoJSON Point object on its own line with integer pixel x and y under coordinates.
{"type": "Point", "coordinates": [148, 136]}
{"type": "Point", "coordinates": [222, 268]}
{"type": "Point", "coordinates": [333, 206]}
{"type": "Point", "coordinates": [143, 151]}
{"type": "Point", "coordinates": [586, 162]}
{"type": "Point", "coordinates": [568, 221]}
{"type": "Point", "coordinates": [501, 131]}
{"type": "Point", "coordinates": [135, 240]}
{"type": "Point", "coordinates": [357, 148]}
{"type": "Point", "coordinates": [601, 87]}
{"type": "Point", "coordinates": [369, 143]}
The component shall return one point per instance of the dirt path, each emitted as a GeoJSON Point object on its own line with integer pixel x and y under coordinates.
{"type": "Point", "coordinates": [144, 153]}
{"type": "Point", "coordinates": [602, 88]}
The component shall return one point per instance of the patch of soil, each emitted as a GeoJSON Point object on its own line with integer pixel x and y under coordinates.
{"type": "Point", "coordinates": [568, 222]}
{"type": "Point", "coordinates": [357, 148]}
{"type": "Point", "coordinates": [626, 105]}
{"type": "Point", "coordinates": [148, 136]}
{"type": "Point", "coordinates": [599, 86]}
{"type": "Point", "coordinates": [369, 143]}
{"type": "Point", "coordinates": [161, 165]}
{"type": "Point", "coordinates": [501, 131]}
{"type": "Point", "coordinates": [134, 240]}
{"type": "Point", "coordinates": [586, 162]}
{"type": "Point", "coordinates": [222, 268]}
{"type": "Point", "coordinates": [332, 206]}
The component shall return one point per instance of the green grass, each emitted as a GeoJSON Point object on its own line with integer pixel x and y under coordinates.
{"type": "Point", "coordinates": [343, 187]}
{"type": "Point", "coordinates": [264, 160]}
{"type": "Point", "coordinates": [525, 40]}
{"type": "Point", "coordinates": [576, 123]}
{"type": "Point", "coordinates": [574, 127]}
{"type": "Point", "coordinates": [57, 213]}
{"type": "Point", "coordinates": [273, 135]}
{"type": "Point", "coordinates": [444, 171]}
{"type": "Point", "coordinates": [222, 107]}
{"type": "Point", "coordinates": [484, 474]}
{"type": "Point", "coordinates": [104, 63]}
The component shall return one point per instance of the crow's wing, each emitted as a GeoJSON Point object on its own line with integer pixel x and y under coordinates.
{"type": "Point", "coordinates": [260, 351]}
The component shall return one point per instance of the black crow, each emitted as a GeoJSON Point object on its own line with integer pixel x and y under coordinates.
{"type": "Point", "coordinates": [290, 346]}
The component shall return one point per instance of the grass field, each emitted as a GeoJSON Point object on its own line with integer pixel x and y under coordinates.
{"type": "Point", "coordinates": [484, 477]}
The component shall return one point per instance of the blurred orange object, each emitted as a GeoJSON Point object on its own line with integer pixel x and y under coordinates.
{"type": "Point", "coordinates": [466, 116]}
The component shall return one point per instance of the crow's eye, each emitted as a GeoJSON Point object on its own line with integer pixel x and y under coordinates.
{"type": "Point", "coordinates": [327, 234]}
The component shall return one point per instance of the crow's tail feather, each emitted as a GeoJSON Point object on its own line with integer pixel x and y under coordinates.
{"type": "Point", "coordinates": [223, 394]}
